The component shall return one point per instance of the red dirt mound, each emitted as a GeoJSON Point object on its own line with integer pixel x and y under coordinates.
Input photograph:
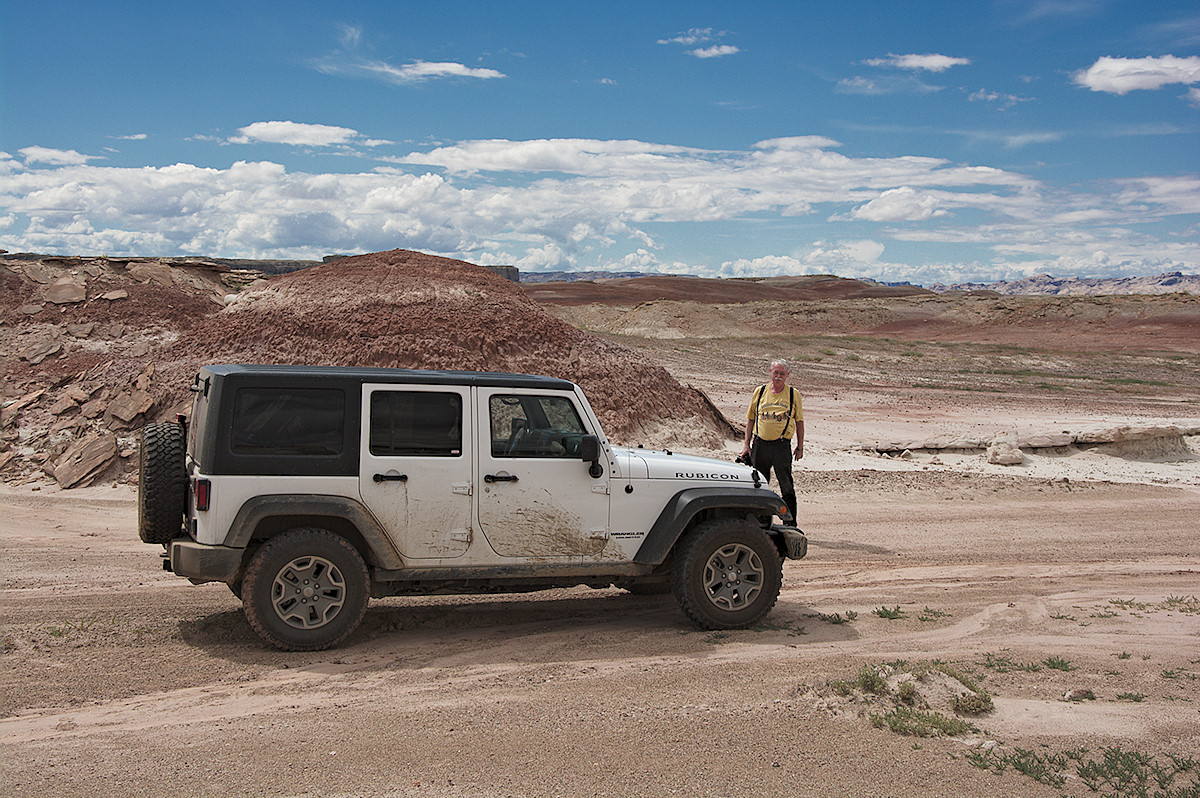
{"type": "Point", "coordinates": [403, 309]}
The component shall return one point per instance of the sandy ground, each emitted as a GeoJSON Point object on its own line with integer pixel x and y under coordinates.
{"type": "Point", "coordinates": [1073, 572]}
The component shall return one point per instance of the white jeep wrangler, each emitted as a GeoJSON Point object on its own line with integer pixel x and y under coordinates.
{"type": "Point", "coordinates": [307, 490]}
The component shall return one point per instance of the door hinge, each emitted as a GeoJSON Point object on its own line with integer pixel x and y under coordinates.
{"type": "Point", "coordinates": [599, 533]}
{"type": "Point", "coordinates": [461, 535]}
{"type": "Point", "coordinates": [600, 488]}
{"type": "Point", "coordinates": [461, 488]}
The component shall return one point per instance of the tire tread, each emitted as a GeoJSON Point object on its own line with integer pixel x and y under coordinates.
{"type": "Point", "coordinates": [694, 551]}
{"type": "Point", "coordinates": [260, 574]}
{"type": "Point", "coordinates": [162, 482]}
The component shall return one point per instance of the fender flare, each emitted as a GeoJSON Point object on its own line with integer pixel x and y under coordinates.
{"type": "Point", "coordinates": [685, 505]}
{"type": "Point", "coordinates": [381, 552]}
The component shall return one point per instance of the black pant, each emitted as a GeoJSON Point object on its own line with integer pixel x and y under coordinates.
{"type": "Point", "coordinates": [776, 454]}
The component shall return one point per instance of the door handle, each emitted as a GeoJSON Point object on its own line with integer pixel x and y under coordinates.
{"type": "Point", "coordinates": [390, 477]}
{"type": "Point", "coordinates": [499, 478]}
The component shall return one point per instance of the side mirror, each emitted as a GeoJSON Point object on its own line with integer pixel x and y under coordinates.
{"type": "Point", "coordinates": [589, 448]}
{"type": "Point", "coordinates": [589, 452]}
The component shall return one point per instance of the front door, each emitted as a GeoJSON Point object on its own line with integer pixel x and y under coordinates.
{"type": "Point", "coordinates": [414, 466]}
{"type": "Point", "coordinates": [536, 497]}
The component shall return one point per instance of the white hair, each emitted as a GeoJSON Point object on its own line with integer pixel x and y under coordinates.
{"type": "Point", "coordinates": [780, 362]}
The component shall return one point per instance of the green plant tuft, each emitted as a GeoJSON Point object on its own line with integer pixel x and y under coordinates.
{"type": "Point", "coordinates": [921, 723]}
{"type": "Point", "coordinates": [973, 703]}
{"type": "Point", "coordinates": [870, 680]}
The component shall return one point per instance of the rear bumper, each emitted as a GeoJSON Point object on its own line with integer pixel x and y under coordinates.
{"type": "Point", "coordinates": [201, 563]}
{"type": "Point", "coordinates": [794, 541]}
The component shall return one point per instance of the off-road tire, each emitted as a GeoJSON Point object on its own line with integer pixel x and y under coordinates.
{"type": "Point", "coordinates": [305, 590]}
{"type": "Point", "coordinates": [162, 482]}
{"type": "Point", "coordinates": [727, 574]}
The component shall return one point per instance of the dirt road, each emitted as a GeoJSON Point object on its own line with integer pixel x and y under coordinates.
{"type": "Point", "coordinates": [120, 675]}
{"type": "Point", "coordinates": [1065, 588]}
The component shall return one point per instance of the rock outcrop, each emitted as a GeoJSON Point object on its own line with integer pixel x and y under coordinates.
{"type": "Point", "coordinates": [1008, 448]}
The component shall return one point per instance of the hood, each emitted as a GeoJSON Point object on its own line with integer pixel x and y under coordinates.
{"type": "Point", "coordinates": [658, 464]}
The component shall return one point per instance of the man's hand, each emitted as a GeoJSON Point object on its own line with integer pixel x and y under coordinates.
{"type": "Point", "coordinates": [799, 452]}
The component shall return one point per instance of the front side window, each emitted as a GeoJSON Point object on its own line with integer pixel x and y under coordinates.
{"type": "Point", "coordinates": [416, 424]}
{"type": "Point", "coordinates": [291, 421]}
{"type": "Point", "coordinates": [534, 426]}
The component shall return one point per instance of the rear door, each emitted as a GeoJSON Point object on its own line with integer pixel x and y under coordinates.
{"type": "Point", "coordinates": [414, 466]}
{"type": "Point", "coordinates": [536, 496]}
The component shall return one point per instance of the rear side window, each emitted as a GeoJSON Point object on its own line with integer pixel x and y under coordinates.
{"type": "Point", "coordinates": [292, 421]}
{"type": "Point", "coordinates": [416, 423]}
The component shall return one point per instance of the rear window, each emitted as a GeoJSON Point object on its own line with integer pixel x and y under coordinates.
{"type": "Point", "coordinates": [291, 421]}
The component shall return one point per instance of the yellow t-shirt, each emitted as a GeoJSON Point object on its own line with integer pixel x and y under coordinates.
{"type": "Point", "coordinates": [773, 420]}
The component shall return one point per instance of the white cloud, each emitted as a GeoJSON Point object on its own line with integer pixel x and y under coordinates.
{"type": "Point", "coordinates": [1193, 97]}
{"type": "Point", "coordinates": [54, 157]}
{"type": "Point", "coordinates": [1164, 195]}
{"type": "Point", "coordinates": [885, 84]}
{"type": "Point", "coordinates": [999, 99]}
{"type": "Point", "coordinates": [851, 258]}
{"type": "Point", "coordinates": [900, 205]}
{"type": "Point", "coordinates": [574, 156]}
{"type": "Point", "coordinates": [132, 137]}
{"type": "Point", "coordinates": [350, 36]}
{"type": "Point", "coordinates": [1123, 75]}
{"type": "Point", "coordinates": [581, 203]}
{"type": "Point", "coordinates": [929, 62]}
{"type": "Point", "coordinates": [695, 36]}
{"type": "Point", "coordinates": [690, 37]}
{"type": "Point", "coordinates": [1043, 9]}
{"type": "Point", "coordinates": [716, 51]}
{"type": "Point", "coordinates": [300, 134]}
{"type": "Point", "coordinates": [859, 85]}
{"type": "Point", "coordinates": [426, 70]}
{"type": "Point", "coordinates": [1015, 141]}
{"type": "Point", "coordinates": [414, 72]}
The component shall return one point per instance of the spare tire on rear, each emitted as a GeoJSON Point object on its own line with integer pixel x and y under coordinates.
{"type": "Point", "coordinates": [162, 482]}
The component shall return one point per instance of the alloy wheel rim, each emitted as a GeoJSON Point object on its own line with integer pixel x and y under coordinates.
{"type": "Point", "coordinates": [733, 577]}
{"type": "Point", "coordinates": [308, 592]}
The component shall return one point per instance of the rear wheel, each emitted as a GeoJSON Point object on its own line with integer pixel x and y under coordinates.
{"type": "Point", "coordinates": [162, 482]}
{"type": "Point", "coordinates": [305, 590]}
{"type": "Point", "coordinates": [727, 574]}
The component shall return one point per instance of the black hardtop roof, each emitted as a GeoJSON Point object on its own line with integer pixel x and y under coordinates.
{"type": "Point", "coordinates": [399, 376]}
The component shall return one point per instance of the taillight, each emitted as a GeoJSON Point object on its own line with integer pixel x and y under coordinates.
{"type": "Point", "coordinates": [202, 490]}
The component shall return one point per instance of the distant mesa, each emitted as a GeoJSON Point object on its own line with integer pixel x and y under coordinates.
{"type": "Point", "coordinates": [1045, 285]}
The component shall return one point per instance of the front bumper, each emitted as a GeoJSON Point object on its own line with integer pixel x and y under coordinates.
{"type": "Point", "coordinates": [201, 563]}
{"type": "Point", "coordinates": [794, 541]}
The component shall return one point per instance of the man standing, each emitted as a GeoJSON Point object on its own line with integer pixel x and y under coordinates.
{"type": "Point", "coordinates": [774, 418]}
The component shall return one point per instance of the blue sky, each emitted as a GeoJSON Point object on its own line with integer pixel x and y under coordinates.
{"type": "Point", "coordinates": [898, 141]}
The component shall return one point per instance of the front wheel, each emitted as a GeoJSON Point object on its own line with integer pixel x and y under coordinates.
{"type": "Point", "coordinates": [727, 574]}
{"type": "Point", "coordinates": [305, 590]}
